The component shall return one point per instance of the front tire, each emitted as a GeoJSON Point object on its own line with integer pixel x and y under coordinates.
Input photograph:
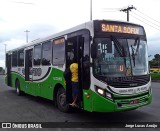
{"type": "Point", "coordinates": [61, 100]}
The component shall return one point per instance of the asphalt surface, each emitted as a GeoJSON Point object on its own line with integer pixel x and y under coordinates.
{"type": "Point", "coordinates": [28, 108]}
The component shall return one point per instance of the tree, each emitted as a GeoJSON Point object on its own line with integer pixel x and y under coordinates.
{"type": "Point", "coordinates": [1, 69]}
{"type": "Point", "coordinates": [157, 56]}
{"type": "Point", "coordinates": [155, 62]}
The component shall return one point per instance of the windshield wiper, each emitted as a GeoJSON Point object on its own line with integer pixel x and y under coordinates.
{"type": "Point", "coordinates": [117, 46]}
{"type": "Point", "coordinates": [137, 41]}
{"type": "Point", "coordinates": [120, 49]}
{"type": "Point", "coordinates": [134, 53]}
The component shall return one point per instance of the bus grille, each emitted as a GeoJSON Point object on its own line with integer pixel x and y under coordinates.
{"type": "Point", "coordinates": [127, 83]}
{"type": "Point", "coordinates": [127, 102]}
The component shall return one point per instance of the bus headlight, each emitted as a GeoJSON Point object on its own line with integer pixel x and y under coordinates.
{"type": "Point", "coordinates": [103, 92]}
{"type": "Point", "coordinates": [100, 91]}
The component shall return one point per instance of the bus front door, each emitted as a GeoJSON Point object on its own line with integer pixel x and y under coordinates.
{"type": "Point", "coordinates": [29, 88]}
{"type": "Point", "coordinates": [74, 49]}
{"type": "Point", "coordinates": [80, 49]}
{"type": "Point", "coordinates": [28, 65]}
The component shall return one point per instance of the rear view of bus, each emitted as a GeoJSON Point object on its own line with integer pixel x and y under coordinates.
{"type": "Point", "coordinates": [121, 79]}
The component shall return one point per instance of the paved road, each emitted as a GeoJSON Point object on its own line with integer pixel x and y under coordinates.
{"type": "Point", "coordinates": [28, 108]}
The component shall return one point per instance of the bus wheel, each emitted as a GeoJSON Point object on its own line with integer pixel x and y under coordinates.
{"type": "Point", "coordinates": [18, 88]}
{"type": "Point", "coordinates": [61, 100]}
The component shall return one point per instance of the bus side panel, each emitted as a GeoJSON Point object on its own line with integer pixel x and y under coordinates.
{"type": "Point", "coordinates": [87, 97]}
{"type": "Point", "coordinates": [101, 104]}
{"type": "Point", "coordinates": [30, 88]}
{"type": "Point", "coordinates": [22, 82]}
{"type": "Point", "coordinates": [13, 80]}
{"type": "Point", "coordinates": [55, 78]}
{"type": "Point", "coordinates": [20, 78]}
{"type": "Point", "coordinates": [45, 87]}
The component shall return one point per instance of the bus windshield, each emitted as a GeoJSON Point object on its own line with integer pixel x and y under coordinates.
{"type": "Point", "coordinates": [119, 57]}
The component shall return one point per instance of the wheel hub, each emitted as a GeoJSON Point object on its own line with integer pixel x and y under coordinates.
{"type": "Point", "coordinates": [62, 99]}
{"type": "Point", "coordinates": [17, 90]}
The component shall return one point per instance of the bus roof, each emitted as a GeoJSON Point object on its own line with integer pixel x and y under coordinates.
{"type": "Point", "coordinates": [86, 25]}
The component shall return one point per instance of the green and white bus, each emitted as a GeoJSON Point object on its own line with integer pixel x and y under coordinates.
{"type": "Point", "coordinates": [113, 67]}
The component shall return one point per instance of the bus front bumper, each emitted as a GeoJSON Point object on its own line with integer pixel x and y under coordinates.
{"type": "Point", "coordinates": [101, 104]}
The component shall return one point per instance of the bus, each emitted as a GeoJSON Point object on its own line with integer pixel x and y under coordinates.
{"type": "Point", "coordinates": [113, 68]}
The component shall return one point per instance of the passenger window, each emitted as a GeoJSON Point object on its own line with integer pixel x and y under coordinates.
{"type": "Point", "coordinates": [21, 58]}
{"type": "Point", "coordinates": [14, 59]}
{"type": "Point", "coordinates": [58, 51]}
{"type": "Point", "coordinates": [37, 55]}
{"type": "Point", "coordinates": [46, 53]}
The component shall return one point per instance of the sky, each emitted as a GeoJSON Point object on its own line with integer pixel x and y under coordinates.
{"type": "Point", "coordinates": [46, 17]}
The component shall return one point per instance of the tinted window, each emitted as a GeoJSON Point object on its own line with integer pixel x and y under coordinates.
{"type": "Point", "coordinates": [14, 59]}
{"type": "Point", "coordinates": [86, 47]}
{"type": "Point", "coordinates": [37, 55]}
{"type": "Point", "coordinates": [86, 63]}
{"type": "Point", "coordinates": [46, 53]}
{"type": "Point", "coordinates": [30, 57]}
{"type": "Point", "coordinates": [58, 51]}
{"type": "Point", "coordinates": [21, 58]}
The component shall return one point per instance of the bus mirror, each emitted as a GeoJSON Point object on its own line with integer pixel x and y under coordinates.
{"type": "Point", "coordinates": [93, 51]}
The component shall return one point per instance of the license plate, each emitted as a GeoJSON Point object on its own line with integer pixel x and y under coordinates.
{"type": "Point", "coordinates": [134, 101]}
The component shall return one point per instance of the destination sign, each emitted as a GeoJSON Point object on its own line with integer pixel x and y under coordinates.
{"type": "Point", "coordinates": [121, 28]}
{"type": "Point", "coordinates": [59, 41]}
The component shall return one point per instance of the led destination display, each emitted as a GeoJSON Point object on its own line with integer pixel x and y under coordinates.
{"type": "Point", "coordinates": [122, 28]}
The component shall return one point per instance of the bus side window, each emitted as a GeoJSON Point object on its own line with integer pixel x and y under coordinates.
{"type": "Point", "coordinates": [21, 58]}
{"type": "Point", "coordinates": [30, 58]}
{"type": "Point", "coordinates": [46, 53]}
{"type": "Point", "coordinates": [14, 59]}
{"type": "Point", "coordinates": [59, 51]}
{"type": "Point", "coordinates": [37, 55]}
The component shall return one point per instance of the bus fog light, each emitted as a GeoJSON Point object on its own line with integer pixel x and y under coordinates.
{"type": "Point", "coordinates": [108, 95]}
{"type": "Point", "coordinates": [100, 91]}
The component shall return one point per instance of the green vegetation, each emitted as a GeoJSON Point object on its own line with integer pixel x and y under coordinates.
{"type": "Point", "coordinates": [155, 76]}
{"type": "Point", "coordinates": [155, 67]}
{"type": "Point", "coordinates": [155, 62]}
